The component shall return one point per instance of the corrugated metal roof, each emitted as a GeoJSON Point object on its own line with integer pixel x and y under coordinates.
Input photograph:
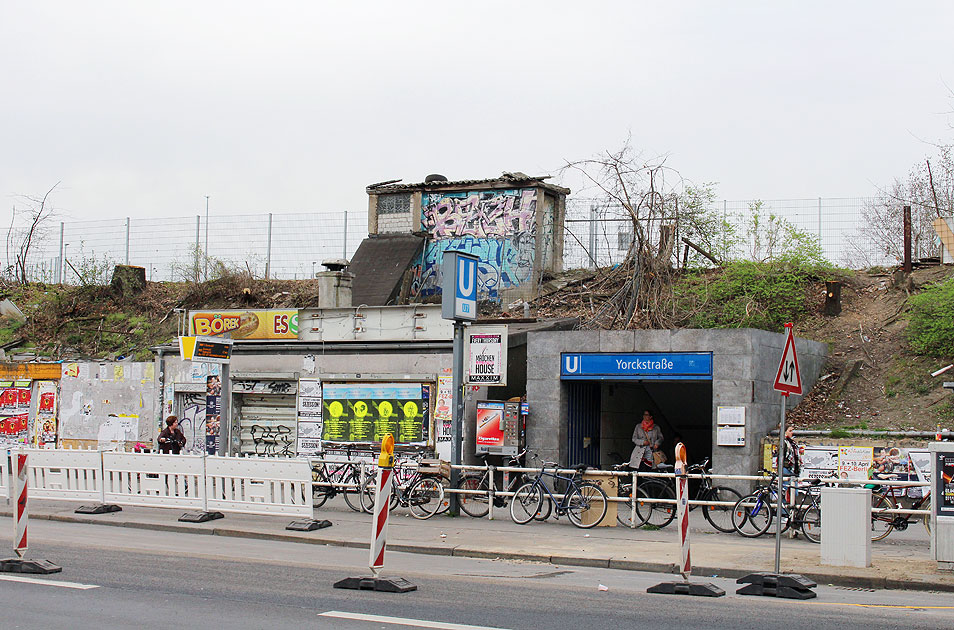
{"type": "Point", "coordinates": [506, 179]}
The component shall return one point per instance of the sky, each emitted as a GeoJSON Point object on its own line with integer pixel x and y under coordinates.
{"type": "Point", "coordinates": [142, 109]}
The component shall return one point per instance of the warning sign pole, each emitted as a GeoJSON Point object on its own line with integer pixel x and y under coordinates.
{"type": "Point", "coordinates": [788, 380]}
{"type": "Point", "coordinates": [20, 517]}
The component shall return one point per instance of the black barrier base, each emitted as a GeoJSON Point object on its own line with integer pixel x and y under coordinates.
{"type": "Point", "coordinates": [200, 517]}
{"type": "Point", "coordinates": [386, 585]}
{"type": "Point", "coordinates": [19, 565]}
{"type": "Point", "coordinates": [687, 588]}
{"type": "Point", "coordinates": [787, 585]}
{"type": "Point", "coordinates": [99, 508]}
{"type": "Point", "coordinates": [308, 525]}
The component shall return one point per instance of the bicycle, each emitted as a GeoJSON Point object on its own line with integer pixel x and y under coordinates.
{"type": "Point", "coordinates": [478, 505]}
{"type": "Point", "coordinates": [661, 514]}
{"type": "Point", "coordinates": [753, 514]}
{"type": "Point", "coordinates": [422, 494]}
{"type": "Point", "coordinates": [329, 479]}
{"type": "Point", "coordinates": [885, 498]}
{"type": "Point", "coordinates": [579, 497]}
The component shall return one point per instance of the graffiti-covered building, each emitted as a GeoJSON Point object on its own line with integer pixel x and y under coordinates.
{"type": "Point", "coordinates": [513, 223]}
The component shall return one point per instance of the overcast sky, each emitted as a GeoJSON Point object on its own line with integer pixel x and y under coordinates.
{"type": "Point", "coordinates": [142, 108]}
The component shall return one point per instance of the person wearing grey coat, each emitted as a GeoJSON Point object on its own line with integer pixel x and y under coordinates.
{"type": "Point", "coordinates": [647, 438]}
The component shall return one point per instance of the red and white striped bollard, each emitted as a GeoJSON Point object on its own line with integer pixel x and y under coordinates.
{"type": "Point", "coordinates": [682, 510]}
{"type": "Point", "coordinates": [21, 513]}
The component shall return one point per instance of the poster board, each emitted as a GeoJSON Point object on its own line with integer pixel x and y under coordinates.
{"type": "Point", "coordinates": [485, 355]}
{"type": "Point", "coordinates": [366, 412]}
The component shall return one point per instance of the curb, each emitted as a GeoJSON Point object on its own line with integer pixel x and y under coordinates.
{"type": "Point", "coordinates": [825, 579]}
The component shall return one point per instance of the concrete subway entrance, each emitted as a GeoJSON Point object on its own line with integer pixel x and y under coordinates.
{"type": "Point", "coordinates": [603, 413]}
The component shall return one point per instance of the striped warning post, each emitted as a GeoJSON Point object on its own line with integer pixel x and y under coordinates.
{"type": "Point", "coordinates": [682, 509]}
{"type": "Point", "coordinates": [21, 513]}
{"type": "Point", "coordinates": [382, 500]}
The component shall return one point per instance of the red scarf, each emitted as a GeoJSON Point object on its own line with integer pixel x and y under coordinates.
{"type": "Point", "coordinates": [648, 425]}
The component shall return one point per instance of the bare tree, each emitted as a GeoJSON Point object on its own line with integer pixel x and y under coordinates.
{"type": "Point", "coordinates": [929, 190]}
{"type": "Point", "coordinates": [27, 228]}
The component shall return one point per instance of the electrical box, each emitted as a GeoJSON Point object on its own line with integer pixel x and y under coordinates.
{"type": "Point", "coordinates": [500, 428]}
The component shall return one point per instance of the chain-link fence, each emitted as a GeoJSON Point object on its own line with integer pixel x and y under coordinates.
{"type": "Point", "coordinates": [292, 246]}
{"type": "Point", "coordinates": [600, 234]}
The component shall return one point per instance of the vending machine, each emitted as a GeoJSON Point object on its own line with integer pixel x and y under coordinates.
{"type": "Point", "coordinates": [500, 428]}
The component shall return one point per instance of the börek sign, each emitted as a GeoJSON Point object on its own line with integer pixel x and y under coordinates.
{"type": "Point", "coordinates": [245, 324]}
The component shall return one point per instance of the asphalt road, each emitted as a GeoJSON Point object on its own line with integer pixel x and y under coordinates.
{"type": "Point", "coordinates": [146, 579]}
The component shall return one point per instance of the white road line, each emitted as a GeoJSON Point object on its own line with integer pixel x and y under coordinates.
{"type": "Point", "coordinates": [401, 621]}
{"type": "Point", "coordinates": [29, 580]}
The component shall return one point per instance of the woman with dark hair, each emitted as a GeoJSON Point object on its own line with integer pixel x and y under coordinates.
{"type": "Point", "coordinates": [648, 439]}
{"type": "Point", "coordinates": [171, 439]}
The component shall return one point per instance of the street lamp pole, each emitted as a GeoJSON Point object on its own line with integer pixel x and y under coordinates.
{"type": "Point", "coordinates": [206, 237]}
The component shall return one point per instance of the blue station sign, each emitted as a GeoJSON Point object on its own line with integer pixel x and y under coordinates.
{"type": "Point", "coordinates": [636, 366]}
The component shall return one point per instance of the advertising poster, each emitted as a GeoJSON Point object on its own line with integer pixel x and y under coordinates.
{"type": "Point", "coordinates": [854, 462]}
{"type": "Point", "coordinates": [944, 484]}
{"type": "Point", "coordinates": [251, 324]}
{"type": "Point", "coordinates": [443, 414]}
{"type": "Point", "coordinates": [309, 416]}
{"type": "Point", "coordinates": [819, 462]}
{"type": "Point", "coordinates": [213, 411]}
{"type": "Point", "coordinates": [487, 355]}
{"type": "Point", "coordinates": [15, 412]}
{"type": "Point", "coordinates": [366, 412]}
{"type": "Point", "coordinates": [490, 424]}
{"type": "Point", "coordinates": [43, 434]}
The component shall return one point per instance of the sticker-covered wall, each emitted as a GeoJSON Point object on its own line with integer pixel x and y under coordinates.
{"type": "Point", "coordinates": [107, 405]}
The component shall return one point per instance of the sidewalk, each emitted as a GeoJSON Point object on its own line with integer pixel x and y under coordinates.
{"type": "Point", "coordinates": [902, 563]}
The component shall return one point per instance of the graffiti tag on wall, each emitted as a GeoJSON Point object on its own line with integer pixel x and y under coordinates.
{"type": "Point", "coordinates": [497, 226]}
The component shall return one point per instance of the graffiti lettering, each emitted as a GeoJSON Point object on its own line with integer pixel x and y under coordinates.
{"type": "Point", "coordinates": [272, 440]}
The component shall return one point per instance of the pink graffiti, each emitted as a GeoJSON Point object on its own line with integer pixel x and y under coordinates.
{"type": "Point", "coordinates": [488, 214]}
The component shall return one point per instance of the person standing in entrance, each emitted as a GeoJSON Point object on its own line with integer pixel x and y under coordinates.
{"type": "Point", "coordinates": [171, 439]}
{"type": "Point", "coordinates": [648, 439]}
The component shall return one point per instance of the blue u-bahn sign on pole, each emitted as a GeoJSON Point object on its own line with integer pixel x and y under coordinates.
{"type": "Point", "coordinates": [459, 286]}
{"type": "Point", "coordinates": [636, 365]}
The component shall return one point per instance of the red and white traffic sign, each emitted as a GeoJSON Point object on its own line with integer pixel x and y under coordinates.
{"type": "Point", "coordinates": [789, 379]}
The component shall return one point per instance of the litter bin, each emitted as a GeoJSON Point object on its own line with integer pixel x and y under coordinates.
{"type": "Point", "coordinates": [608, 482]}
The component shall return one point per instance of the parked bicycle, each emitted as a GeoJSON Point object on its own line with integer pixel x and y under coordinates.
{"type": "Point", "coordinates": [477, 505]}
{"type": "Point", "coordinates": [649, 490]}
{"type": "Point", "coordinates": [885, 498]}
{"type": "Point", "coordinates": [329, 479]}
{"type": "Point", "coordinates": [421, 493]}
{"type": "Point", "coordinates": [580, 498]}
{"type": "Point", "coordinates": [753, 514]}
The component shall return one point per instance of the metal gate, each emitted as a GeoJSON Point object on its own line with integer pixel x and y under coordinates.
{"type": "Point", "coordinates": [583, 423]}
{"type": "Point", "coordinates": [268, 424]}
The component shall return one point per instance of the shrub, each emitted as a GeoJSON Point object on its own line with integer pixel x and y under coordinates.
{"type": "Point", "coordinates": [931, 328]}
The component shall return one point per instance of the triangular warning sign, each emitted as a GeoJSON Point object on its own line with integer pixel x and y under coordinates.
{"type": "Point", "coordinates": [789, 379]}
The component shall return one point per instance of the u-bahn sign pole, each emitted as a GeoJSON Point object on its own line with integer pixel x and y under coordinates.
{"type": "Point", "coordinates": [788, 380]}
{"type": "Point", "coordinates": [458, 303]}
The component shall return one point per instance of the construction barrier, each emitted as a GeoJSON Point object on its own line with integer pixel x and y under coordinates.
{"type": "Point", "coordinates": [65, 474]}
{"type": "Point", "coordinates": [154, 480]}
{"type": "Point", "coordinates": [20, 512]}
{"type": "Point", "coordinates": [4, 474]}
{"type": "Point", "coordinates": [253, 485]}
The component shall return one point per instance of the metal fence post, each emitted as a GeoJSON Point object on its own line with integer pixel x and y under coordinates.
{"type": "Point", "coordinates": [127, 240]}
{"type": "Point", "coordinates": [59, 269]}
{"type": "Point", "coordinates": [592, 251]}
{"type": "Point", "coordinates": [819, 221]}
{"type": "Point", "coordinates": [268, 253]}
{"type": "Point", "coordinates": [195, 269]}
{"type": "Point", "coordinates": [344, 246]}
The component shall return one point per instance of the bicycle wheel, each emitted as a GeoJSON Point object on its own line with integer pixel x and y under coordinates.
{"type": "Point", "coordinates": [655, 514]}
{"type": "Point", "coordinates": [475, 505]}
{"type": "Point", "coordinates": [586, 505]}
{"type": "Point", "coordinates": [546, 508]}
{"type": "Point", "coordinates": [751, 516]}
{"type": "Point", "coordinates": [811, 522]}
{"type": "Point", "coordinates": [625, 512]}
{"type": "Point", "coordinates": [352, 496]}
{"type": "Point", "coordinates": [882, 522]}
{"type": "Point", "coordinates": [424, 497]}
{"type": "Point", "coordinates": [927, 517]}
{"type": "Point", "coordinates": [319, 494]}
{"type": "Point", "coordinates": [720, 516]}
{"type": "Point", "coordinates": [526, 503]}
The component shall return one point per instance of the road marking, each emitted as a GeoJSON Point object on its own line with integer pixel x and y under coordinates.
{"type": "Point", "coordinates": [401, 621]}
{"type": "Point", "coordinates": [29, 580]}
{"type": "Point", "coordinates": [884, 606]}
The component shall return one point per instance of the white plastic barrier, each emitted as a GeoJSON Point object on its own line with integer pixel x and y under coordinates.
{"type": "Point", "coordinates": [66, 474]}
{"type": "Point", "coordinates": [252, 485]}
{"type": "Point", "coordinates": [154, 480]}
{"type": "Point", "coordinates": [4, 474]}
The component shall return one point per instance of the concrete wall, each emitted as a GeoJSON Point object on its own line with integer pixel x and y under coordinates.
{"type": "Point", "coordinates": [745, 362]}
{"type": "Point", "coordinates": [102, 403]}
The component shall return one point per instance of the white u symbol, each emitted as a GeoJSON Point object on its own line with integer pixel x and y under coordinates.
{"type": "Point", "coordinates": [464, 281]}
{"type": "Point", "coordinates": [574, 366]}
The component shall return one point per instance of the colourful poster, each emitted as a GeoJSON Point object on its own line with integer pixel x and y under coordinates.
{"type": "Point", "coordinates": [490, 424]}
{"type": "Point", "coordinates": [854, 462]}
{"type": "Point", "coordinates": [251, 324]}
{"type": "Point", "coordinates": [213, 410]}
{"type": "Point", "coordinates": [366, 412]}
{"type": "Point", "coordinates": [442, 409]}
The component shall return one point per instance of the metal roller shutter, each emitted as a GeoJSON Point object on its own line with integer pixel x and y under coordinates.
{"type": "Point", "coordinates": [268, 424]}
